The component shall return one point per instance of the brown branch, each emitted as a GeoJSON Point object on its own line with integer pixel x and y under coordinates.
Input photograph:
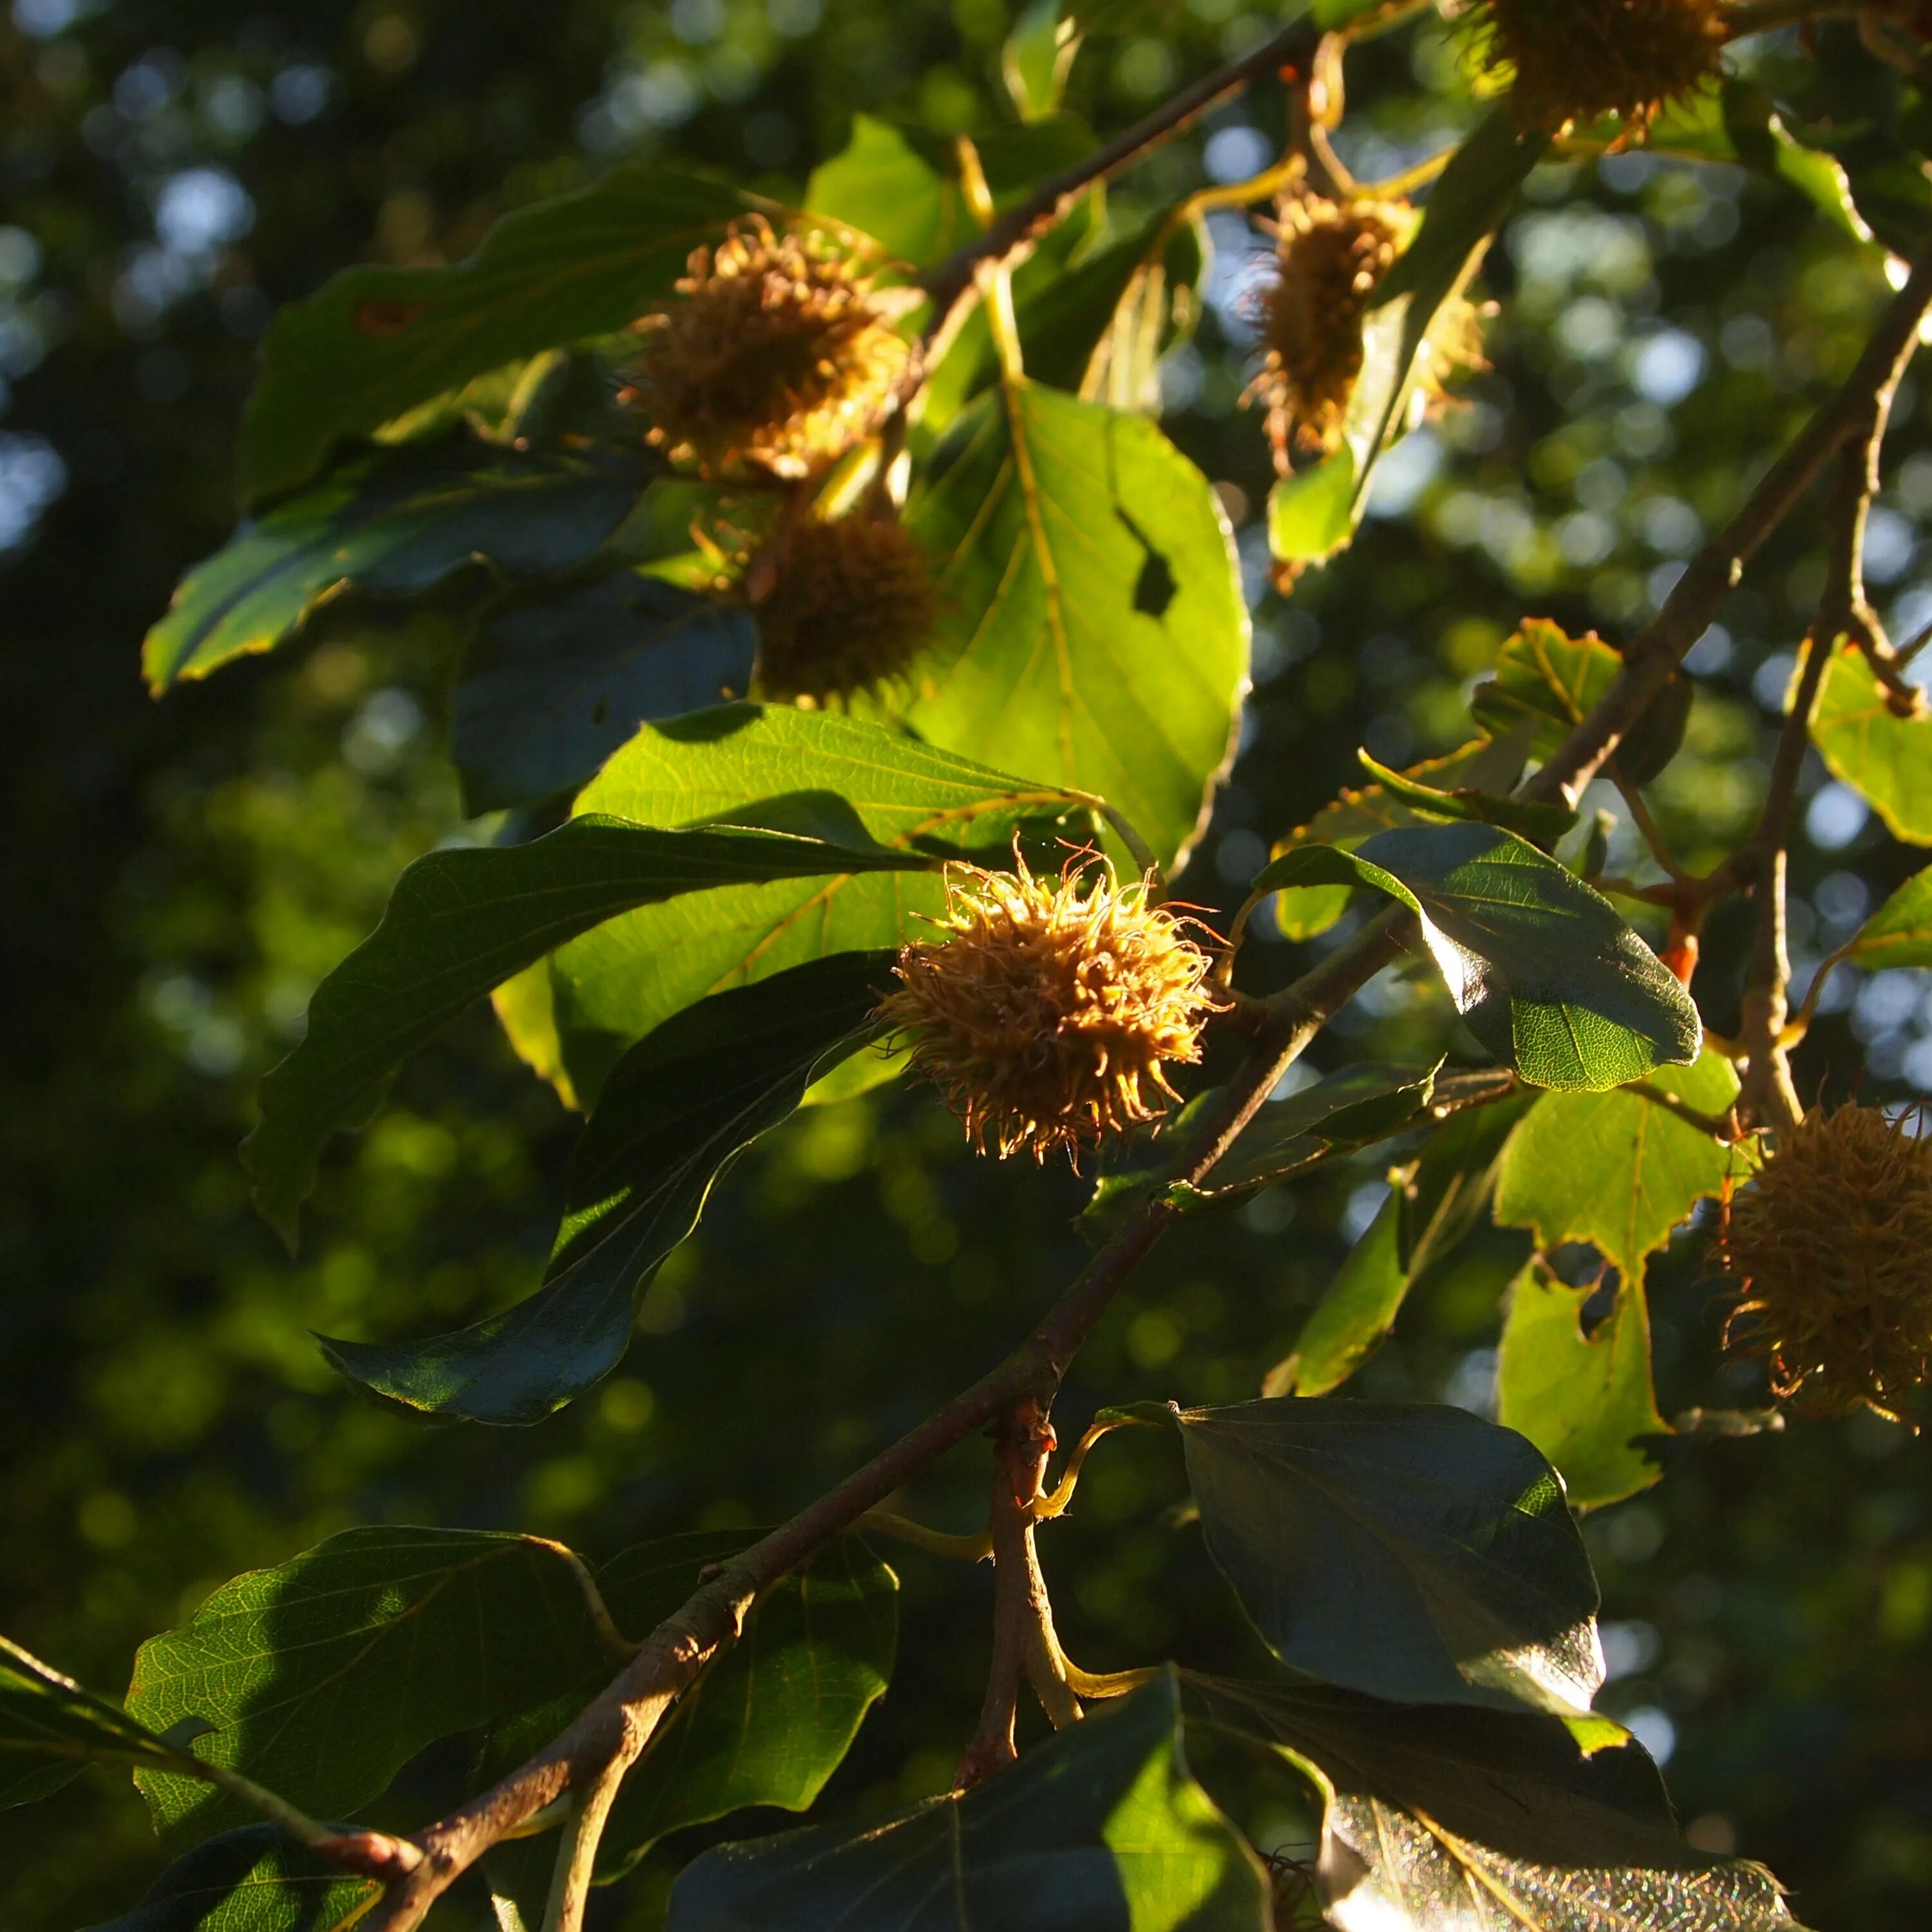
{"type": "Point", "coordinates": [1653, 655]}
{"type": "Point", "coordinates": [1768, 1095]}
{"type": "Point", "coordinates": [952, 279]}
{"type": "Point", "coordinates": [1023, 1646]}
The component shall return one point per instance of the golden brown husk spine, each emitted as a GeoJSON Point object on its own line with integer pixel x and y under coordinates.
{"type": "Point", "coordinates": [1328, 261]}
{"type": "Point", "coordinates": [774, 357]}
{"type": "Point", "coordinates": [1830, 1247]}
{"type": "Point", "coordinates": [1047, 1013]}
{"type": "Point", "coordinates": [1578, 60]}
{"type": "Point", "coordinates": [842, 607]}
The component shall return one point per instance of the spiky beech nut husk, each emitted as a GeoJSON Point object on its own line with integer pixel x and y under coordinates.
{"type": "Point", "coordinates": [1047, 1013]}
{"type": "Point", "coordinates": [774, 356]}
{"type": "Point", "coordinates": [842, 607]}
{"type": "Point", "coordinates": [1327, 262]}
{"type": "Point", "coordinates": [1830, 1247]}
{"type": "Point", "coordinates": [1578, 60]}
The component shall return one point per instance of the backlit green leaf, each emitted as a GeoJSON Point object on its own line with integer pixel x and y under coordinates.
{"type": "Point", "coordinates": [1619, 1169]}
{"type": "Point", "coordinates": [1900, 933]}
{"type": "Point", "coordinates": [254, 1879]}
{"type": "Point", "coordinates": [393, 525]}
{"type": "Point", "coordinates": [1408, 1551]}
{"type": "Point", "coordinates": [1547, 976]}
{"type": "Point", "coordinates": [1093, 629]}
{"type": "Point", "coordinates": [376, 341]}
{"type": "Point", "coordinates": [1099, 1829]}
{"type": "Point", "coordinates": [812, 772]}
{"type": "Point", "coordinates": [1885, 757]}
{"type": "Point", "coordinates": [674, 1110]}
{"type": "Point", "coordinates": [1585, 1401]}
{"type": "Point", "coordinates": [881, 185]}
{"type": "Point", "coordinates": [324, 1676]}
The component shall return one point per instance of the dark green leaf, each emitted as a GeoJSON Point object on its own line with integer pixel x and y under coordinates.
{"type": "Point", "coordinates": [1093, 629]}
{"type": "Point", "coordinates": [1540, 824]}
{"type": "Point", "coordinates": [50, 1729]}
{"type": "Point", "coordinates": [1885, 757]}
{"type": "Point", "coordinates": [376, 341]}
{"type": "Point", "coordinates": [551, 687]}
{"type": "Point", "coordinates": [674, 1110]}
{"type": "Point", "coordinates": [1488, 1822]}
{"type": "Point", "coordinates": [812, 771]}
{"type": "Point", "coordinates": [1547, 1789]}
{"type": "Point", "coordinates": [1434, 1203]}
{"type": "Point", "coordinates": [1586, 1401]}
{"type": "Point", "coordinates": [1408, 1551]}
{"type": "Point", "coordinates": [1099, 1829]}
{"type": "Point", "coordinates": [1546, 975]}
{"type": "Point", "coordinates": [1356, 813]}
{"type": "Point", "coordinates": [1619, 1169]}
{"type": "Point", "coordinates": [324, 1676]}
{"type": "Point", "coordinates": [772, 1719]}
{"type": "Point", "coordinates": [1354, 1107]}
{"type": "Point", "coordinates": [254, 1879]}
{"type": "Point", "coordinates": [881, 185]}
{"type": "Point", "coordinates": [462, 922]}
{"type": "Point", "coordinates": [1900, 933]}
{"type": "Point", "coordinates": [393, 525]}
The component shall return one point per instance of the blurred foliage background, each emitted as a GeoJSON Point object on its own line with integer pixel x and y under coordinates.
{"type": "Point", "coordinates": [177, 878]}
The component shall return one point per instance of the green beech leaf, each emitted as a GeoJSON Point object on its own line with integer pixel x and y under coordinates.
{"type": "Point", "coordinates": [813, 772]}
{"type": "Point", "coordinates": [1313, 513]}
{"type": "Point", "coordinates": [1586, 1401]}
{"type": "Point", "coordinates": [1900, 933]}
{"type": "Point", "coordinates": [1035, 57]}
{"type": "Point", "coordinates": [1354, 1107]}
{"type": "Point", "coordinates": [1540, 824]}
{"type": "Point", "coordinates": [1546, 682]}
{"type": "Point", "coordinates": [1100, 1828]}
{"type": "Point", "coordinates": [768, 1722]}
{"type": "Point", "coordinates": [460, 922]}
{"type": "Point", "coordinates": [376, 341]}
{"type": "Point", "coordinates": [1547, 976]}
{"type": "Point", "coordinates": [1886, 758]}
{"type": "Point", "coordinates": [254, 1879]}
{"type": "Point", "coordinates": [1408, 1551]}
{"type": "Point", "coordinates": [324, 1676]}
{"type": "Point", "coordinates": [393, 525]}
{"type": "Point", "coordinates": [551, 686]}
{"type": "Point", "coordinates": [1435, 1202]}
{"type": "Point", "coordinates": [1486, 1821]}
{"type": "Point", "coordinates": [51, 1729]}
{"type": "Point", "coordinates": [1093, 629]}
{"type": "Point", "coordinates": [1486, 764]}
{"type": "Point", "coordinates": [674, 1110]}
{"type": "Point", "coordinates": [1619, 1169]}
{"type": "Point", "coordinates": [881, 185]}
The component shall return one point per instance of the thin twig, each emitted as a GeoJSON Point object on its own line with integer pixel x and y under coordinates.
{"type": "Point", "coordinates": [577, 1855]}
{"type": "Point", "coordinates": [1653, 655]}
{"type": "Point", "coordinates": [953, 278]}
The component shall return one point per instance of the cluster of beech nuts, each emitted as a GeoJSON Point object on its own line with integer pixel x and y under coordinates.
{"type": "Point", "coordinates": [774, 360]}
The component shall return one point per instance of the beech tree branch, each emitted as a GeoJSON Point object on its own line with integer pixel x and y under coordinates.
{"type": "Point", "coordinates": [610, 1734]}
